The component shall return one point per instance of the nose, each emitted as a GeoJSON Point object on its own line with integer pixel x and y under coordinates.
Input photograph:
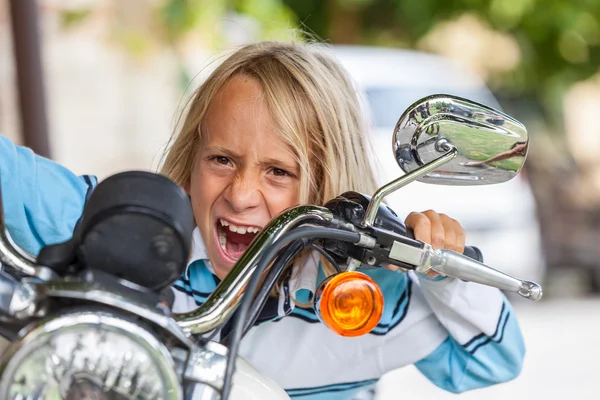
{"type": "Point", "coordinates": [243, 193]}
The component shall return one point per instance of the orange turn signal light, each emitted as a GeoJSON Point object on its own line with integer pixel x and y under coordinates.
{"type": "Point", "coordinates": [349, 303]}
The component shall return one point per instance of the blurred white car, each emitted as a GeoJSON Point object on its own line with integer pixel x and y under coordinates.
{"type": "Point", "coordinates": [500, 219]}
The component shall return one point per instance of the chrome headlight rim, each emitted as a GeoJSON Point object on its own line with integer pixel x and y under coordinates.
{"type": "Point", "coordinates": [38, 334]}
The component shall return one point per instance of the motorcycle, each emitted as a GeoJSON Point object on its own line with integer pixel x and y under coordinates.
{"type": "Point", "coordinates": [88, 318]}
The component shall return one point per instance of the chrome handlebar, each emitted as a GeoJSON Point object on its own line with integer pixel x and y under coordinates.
{"type": "Point", "coordinates": [227, 296]}
{"type": "Point", "coordinates": [10, 253]}
{"type": "Point", "coordinates": [450, 263]}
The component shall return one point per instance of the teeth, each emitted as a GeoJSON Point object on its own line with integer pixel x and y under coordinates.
{"type": "Point", "coordinates": [239, 229]}
{"type": "Point", "coordinates": [222, 240]}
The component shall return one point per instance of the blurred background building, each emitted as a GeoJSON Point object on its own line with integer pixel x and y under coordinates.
{"type": "Point", "coordinates": [116, 73]}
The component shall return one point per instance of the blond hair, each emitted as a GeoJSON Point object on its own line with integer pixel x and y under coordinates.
{"type": "Point", "coordinates": [314, 106]}
{"type": "Point", "coordinates": [315, 109]}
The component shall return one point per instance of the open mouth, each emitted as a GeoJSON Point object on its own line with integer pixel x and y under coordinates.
{"type": "Point", "coordinates": [234, 239]}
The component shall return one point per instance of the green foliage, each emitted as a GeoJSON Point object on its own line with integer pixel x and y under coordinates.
{"type": "Point", "coordinates": [311, 14]}
{"type": "Point", "coordinates": [276, 18]}
{"type": "Point", "coordinates": [559, 39]}
{"type": "Point", "coordinates": [179, 17]}
{"type": "Point", "coordinates": [70, 18]}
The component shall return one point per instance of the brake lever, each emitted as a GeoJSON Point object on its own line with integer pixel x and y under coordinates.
{"type": "Point", "coordinates": [425, 258]}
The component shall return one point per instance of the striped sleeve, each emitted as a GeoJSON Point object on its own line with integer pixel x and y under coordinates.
{"type": "Point", "coordinates": [484, 346]}
{"type": "Point", "coordinates": [42, 200]}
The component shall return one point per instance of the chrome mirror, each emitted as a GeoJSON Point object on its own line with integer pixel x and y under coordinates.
{"type": "Point", "coordinates": [491, 146]}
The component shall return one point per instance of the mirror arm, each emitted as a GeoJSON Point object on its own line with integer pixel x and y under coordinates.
{"type": "Point", "coordinates": [404, 180]}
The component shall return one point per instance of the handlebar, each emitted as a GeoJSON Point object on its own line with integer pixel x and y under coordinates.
{"type": "Point", "coordinates": [450, 263]}
{"type": "Point", "coordinates": [11, 254]}
{"type": "Point", "coordinates": [462, 266]}
{"type": "Point", "coordinates": [226, 297]}
{"type": "Point", "coordinates": [224, 300]}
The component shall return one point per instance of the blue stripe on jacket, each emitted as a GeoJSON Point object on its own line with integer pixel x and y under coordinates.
{"type": "Point", "coordinates": [482, 361]}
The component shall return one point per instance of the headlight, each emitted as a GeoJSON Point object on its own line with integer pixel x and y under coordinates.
{"type": "Point", "coordinates": [88, 355]}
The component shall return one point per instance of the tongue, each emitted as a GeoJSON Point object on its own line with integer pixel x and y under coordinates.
{"type": "Point", "coordinates": [235, 250]}
{"type": "Point", "coordinates": [237, 238]}
{"type": "Point", "coordinates": [237, 243]}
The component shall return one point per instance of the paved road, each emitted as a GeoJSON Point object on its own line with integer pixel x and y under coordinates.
{"type": "Point", "coordinates": [563, 356]}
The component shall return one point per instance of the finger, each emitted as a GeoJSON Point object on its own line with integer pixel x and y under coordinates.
{"type": "Point", "coordinates": [461, 237]}
{"type": "Point", "coordinates": [432, 274]}
{"type": "Point", "coordinates": [395, 268]}
{"type": "Point", "coordinates": [449, 232]}
{"type": "Point", "coordinates": [458, 236]}
{"type": "Point", "coordinates": [438, 234]}
{"type": "Point", "coordinates": [421, 226]}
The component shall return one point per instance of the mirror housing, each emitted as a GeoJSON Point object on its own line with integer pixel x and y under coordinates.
{"type": "Point", "coordinates": [491, 146]}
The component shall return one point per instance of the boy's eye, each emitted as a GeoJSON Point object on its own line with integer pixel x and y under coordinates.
{"type": "Point", "coordinates": [279, 172]}
{"type": "Point", "coordinates": [221, 160]}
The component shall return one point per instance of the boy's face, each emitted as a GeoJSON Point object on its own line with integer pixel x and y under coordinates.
{"type": "Point", "coordinates": [244, 174]}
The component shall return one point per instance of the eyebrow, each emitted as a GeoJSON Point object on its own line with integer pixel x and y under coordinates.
{"type": "Point", "coordinates": [220, 149]}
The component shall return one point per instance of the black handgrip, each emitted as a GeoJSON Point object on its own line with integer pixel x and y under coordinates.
{"type": "Point", "coordinates": [351, 206]}
{"type": "Point", "coordinates": [474, 253]}
{"type": "Point", "coordinates": [470, 251]}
